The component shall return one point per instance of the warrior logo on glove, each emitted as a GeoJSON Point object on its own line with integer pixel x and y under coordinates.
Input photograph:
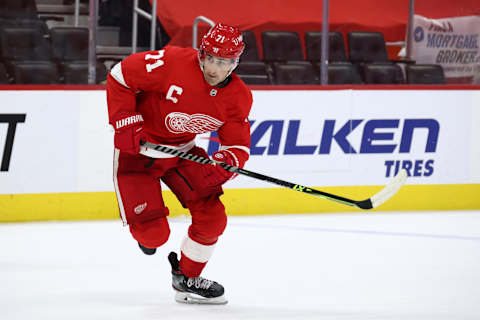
{"type": "Point", "coordinates": [126, 122]}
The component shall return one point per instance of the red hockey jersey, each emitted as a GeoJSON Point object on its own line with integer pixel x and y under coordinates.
{"type": "Point", "coordinates": [168, 89]}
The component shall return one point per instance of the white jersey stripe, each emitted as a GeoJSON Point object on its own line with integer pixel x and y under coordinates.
{"type": "Point", "coordinates": [116, 153]}
{"type": "Point", "coordinates": [117, 74]}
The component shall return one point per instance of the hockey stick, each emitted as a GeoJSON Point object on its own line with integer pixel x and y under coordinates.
{"type": "Point", "coordinates": [377, 199]}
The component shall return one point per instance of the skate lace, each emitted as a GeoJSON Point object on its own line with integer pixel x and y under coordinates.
{"type": "Point", "coordinates": [199, 283]}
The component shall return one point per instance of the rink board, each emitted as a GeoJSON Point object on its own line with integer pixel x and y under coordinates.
{"type": "Point", "coordinates": [103, 205]}
{"type": "Point", "coordinates": [57, 155]}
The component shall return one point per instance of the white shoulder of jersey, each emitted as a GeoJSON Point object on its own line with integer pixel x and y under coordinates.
{"type": "Point", "coordinates": [117, 74]}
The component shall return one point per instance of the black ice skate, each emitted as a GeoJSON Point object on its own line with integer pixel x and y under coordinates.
{"type": "Point", "coordinates": [194, 290]}
{"type": "Point", "coordinates": [147, 251]}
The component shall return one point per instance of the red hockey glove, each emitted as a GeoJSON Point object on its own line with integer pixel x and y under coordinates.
{"type": "Point", "coordinates": [215, 175]}
{"type": "Point", "coordinates": [129, 132]}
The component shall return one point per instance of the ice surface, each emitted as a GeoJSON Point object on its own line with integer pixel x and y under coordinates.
{"type": "Point", "coordinates": [401, 265]}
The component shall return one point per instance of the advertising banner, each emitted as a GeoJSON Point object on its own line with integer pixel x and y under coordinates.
{"type": "Point", "coordinates": [363, 137]}
{"type": "Point", "coordinates": [56, 151]}
{"type": "Point", "coordinates": [55, 141]}
{"type": "Point", "coordinates": [330, 138]}
{"type": "Point", "coordinates": [451, 42]}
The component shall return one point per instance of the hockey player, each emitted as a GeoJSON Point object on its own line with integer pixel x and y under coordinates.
{"type": "Point", "coordinates": [168, 97]}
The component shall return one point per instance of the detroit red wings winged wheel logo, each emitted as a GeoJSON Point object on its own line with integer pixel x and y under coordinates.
{"type": "Point", "coordinates": [179, 122]}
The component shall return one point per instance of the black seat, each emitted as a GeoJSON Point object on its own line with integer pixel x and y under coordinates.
{"type": "Point", "coordinates": [255, 79]}
{"type": "Point", "coordinates": [3, 75]}
{"type": "Point", "coordinates": [281, 46]}
{"type": "Point", "coordinates": [37, 24]}
{"type": "Point", "coordinates": [343, 73]}
{"type": "Point", "coordinates": [70, 50]}
{"type": "Point", "coordinates": [253, 72]}
{"type": "Point", "coordinates": [34, 24]}
{"type": "Point", "coordinates": [294, 73]}
{"type": "Point", "coordinates": [251, 49]}
{"type": "Point", "coordinates": [376, 73]}
{"type": "Point", "coordinates": [37, 72]}
{"type": "Point", "coordinates": [76, 72]}
{"type": "Point", "coordinates": [70, 43]}
{"type": "Point", "coordinates": [18, 9]}
{"type": "Point", "coordinates": [24, 44]}
{"type": "Point", "coordinates": [425, 74]}
{"type": "Point", "coordinates": [336, 47]}
{"type": "Point", "coordinates": [366, 47]}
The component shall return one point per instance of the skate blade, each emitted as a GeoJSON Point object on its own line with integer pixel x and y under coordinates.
{"type": "Point", "coordinates": [185, 297]}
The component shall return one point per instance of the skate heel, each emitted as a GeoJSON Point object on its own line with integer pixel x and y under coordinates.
{"type": "Point", "coordinates": [196, 290]}
{"type": "Point", "coordinates": [188, 298]}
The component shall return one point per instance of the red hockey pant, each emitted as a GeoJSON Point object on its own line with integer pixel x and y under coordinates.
{"type": "Point", "coordinates": [139, 195]}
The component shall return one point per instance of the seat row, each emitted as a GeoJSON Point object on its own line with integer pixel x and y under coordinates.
{"type": "Point", "coordinates": [31, 45]}
{"type": "Point", "coordinates": [43, 72]}
{"type": "Point", "coordinates": [366, 61]}
{"type": "Point", "coordinates": [33, 53]}
{"type": "Point", "coordinates": [339, 73]}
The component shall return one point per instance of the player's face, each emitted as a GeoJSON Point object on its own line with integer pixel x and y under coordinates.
{"type": "Point", "coordinates": [216, 69]}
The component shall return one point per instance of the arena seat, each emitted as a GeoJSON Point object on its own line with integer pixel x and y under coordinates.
{"type": "Point", "coordinates": [294, 73]}
{"type": "Point", "coordinates": [343, 73]}
{"type": "Point", "coordinates": [69, 43]}
{"type": "Point", "coordinates": [3, 75]}
{"type": "Point", "coordinates": [251, 49]}
{"type": "Point", "coordinates": [26, 23]}
{"type": "Point", "coordinates": [425, 74]}
{"type": "Point", "coordinates": [76, 72]}
{"type": "Point", "coordinates": [35, 72]}
{"type": "Point", "coordinates": [366, 47]}
{"type": "Point", "coordinates": [253, 72]}
{"type": "Point", "coordinates": [35, 24]}
{"type": "Point", "coordinates": [18, 9]}
{"type": "Point", "coordinates": [24, 44]}
{"type": "Point", "coordinates": [376, 73]}
{"type": "Point", "coordinates": [281, 46]}
{"type": "Point", "coordinates": [255, 79]}
{"type": "Point", "coordinates": [336, 47]}
{"type": "Point", "coordinates": [70, 51]}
